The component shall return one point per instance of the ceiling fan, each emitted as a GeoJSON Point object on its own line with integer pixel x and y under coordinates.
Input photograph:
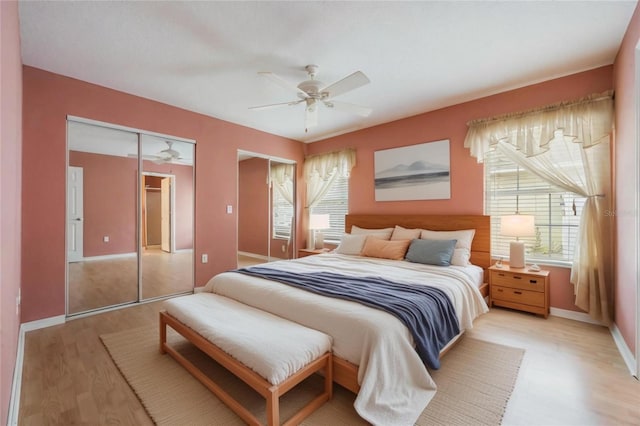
{"type": "Point", "coordinates": [313, 93]}
{"type": "Point", "coordinates": [167, 155]}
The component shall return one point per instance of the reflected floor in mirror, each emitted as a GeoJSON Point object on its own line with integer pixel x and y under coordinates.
{"type": "Point", "coordinates": [96, 284]}
{"type": "Point", "coordinates": [244, 261]}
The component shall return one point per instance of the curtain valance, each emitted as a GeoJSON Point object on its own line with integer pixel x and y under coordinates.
{"type": "Point", "coordinates": [324, 165]}
{"type": "Point", "coordinates": [588, 121]}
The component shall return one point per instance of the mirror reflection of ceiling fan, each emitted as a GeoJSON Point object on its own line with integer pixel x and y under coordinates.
{"type": "Point", "coordinates": [168, 155]}
{"type": "Point", "coordinates": [314, 93]}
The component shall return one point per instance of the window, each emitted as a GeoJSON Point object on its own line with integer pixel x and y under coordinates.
{"type": "Point", "coordinates": [510, 188]}
{"type": "Point", "coordinates": [282, 215]}
{"type": "Point", "coordinates": [335, 203]}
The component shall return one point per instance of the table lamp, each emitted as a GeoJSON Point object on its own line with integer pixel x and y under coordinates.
{"type": "Point", "coordinates": [517, 225]}
{"type": "Point", "coordinates": [317, 222]}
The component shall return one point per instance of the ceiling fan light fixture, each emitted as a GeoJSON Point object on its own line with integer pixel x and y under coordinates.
{"type": "Point", "coordinates": [311, 91]}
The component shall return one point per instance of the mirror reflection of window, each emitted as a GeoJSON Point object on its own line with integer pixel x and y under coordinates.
{"type": "Point", "coordinates": [266, 209]}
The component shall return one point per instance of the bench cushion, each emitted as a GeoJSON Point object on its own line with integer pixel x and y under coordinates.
{"type": "Point", "coordinates": [271, 346]}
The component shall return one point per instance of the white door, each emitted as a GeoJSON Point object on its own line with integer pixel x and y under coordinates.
{"type": "Point", "coordinates": [75, 218]}
{"type": "Point", "coordinates": [165, 214]}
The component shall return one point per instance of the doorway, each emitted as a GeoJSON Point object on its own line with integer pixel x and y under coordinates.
{"type": "Point", "coordinates": [158, 211]}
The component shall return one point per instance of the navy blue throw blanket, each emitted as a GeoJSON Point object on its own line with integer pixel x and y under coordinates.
{"type": "Point", "coordinates": [426, 311]}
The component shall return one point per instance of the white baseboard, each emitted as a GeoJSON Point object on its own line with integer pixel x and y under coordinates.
{"type": "Point", "coordinates": [14, 401]}
{"type": "Point", "coordinates": [16, 387]}
{"type": "Point", "coordinates": [108, 257]}
{"type": "Point", "coordinates": [573, 315]}
{"type": "Point", "coordinates": [624, 350]}
{"type": "Point", "coordinates": [257, 256]}
{"type": "Point", "coordinates": [42, 323]}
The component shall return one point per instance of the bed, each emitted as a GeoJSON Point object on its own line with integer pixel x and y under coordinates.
{"type": "Point", "coordinates": [374, 353]}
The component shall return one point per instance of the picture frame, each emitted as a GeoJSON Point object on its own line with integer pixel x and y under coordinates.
{"type": "Point", "coordinates": [414, 172]}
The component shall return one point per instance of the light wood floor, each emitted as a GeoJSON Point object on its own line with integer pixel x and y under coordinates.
{"type": "Point", "coordinates": [571, 374]}
{"type": "Point", "coordinates": [244, 261]}
{"type": "Point", "coordinates": [97, 284]}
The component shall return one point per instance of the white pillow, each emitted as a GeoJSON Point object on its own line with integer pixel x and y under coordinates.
{"type": "Point", "coordinates": [464, 237]}
{"type": "Point", "coordinates": [460, 257]}
{"type": "Point", "coordinates": [400, 233]}
{"type": "Point", "coordinates": [383, 234]}
{"type": "Point", "coordinates": [351, 244]}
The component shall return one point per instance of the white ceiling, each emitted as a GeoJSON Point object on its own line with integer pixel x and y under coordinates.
{"type": "Point", "coordinates": [419, 56]}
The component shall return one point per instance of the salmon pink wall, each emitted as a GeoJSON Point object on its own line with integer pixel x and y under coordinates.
{"type": "Point", "coordinates": [10, 208]}
{"type": "Point", "coordinates": [47, 99]}
{"type": "Point", "coordinates": [109, 207]}
{"type": "Point", "coordinates": [626, 71]}
{"type": "Point", "coordinates": [467, 179]}
{"type": "Point", "coordinates": [253, 206]}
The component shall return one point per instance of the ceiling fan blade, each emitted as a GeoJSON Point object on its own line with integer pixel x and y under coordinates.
{"type": "Point", "coordinates": [311, 116]}
{"type": "Point", "coordinates": [277, 105]}
{"type": "Point", "coordinates": [350, 82]}
{"type": "Point", "coordinates": [344, 106]}
{"type": "Point", "coordinates": [283, 83]}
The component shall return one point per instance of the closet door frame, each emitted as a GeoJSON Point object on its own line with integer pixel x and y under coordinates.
{"type": "Point", "coordinates": [140, 171]}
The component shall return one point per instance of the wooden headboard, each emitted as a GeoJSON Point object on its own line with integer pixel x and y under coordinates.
{"type": "Point", "coordinates": [480, 248]}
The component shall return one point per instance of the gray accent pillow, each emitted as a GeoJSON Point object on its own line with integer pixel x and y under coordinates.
{"type": "Point", "coordinates": [431, 252]}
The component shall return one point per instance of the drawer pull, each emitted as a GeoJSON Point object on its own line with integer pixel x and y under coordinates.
{"type": "Point", "coordinates": [533, 281]}
{"type": "Point", "coordinates": [517, 292]}
{"type": "Point", "coordinates": [499, 290]}
{"type": "Point", "coordinates": [515, 277]}
{"type": "Point", "coordinates": [501, 274]}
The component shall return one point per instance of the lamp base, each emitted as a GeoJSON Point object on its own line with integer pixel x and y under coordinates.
{"type": "Point", "coordinates": [319, 240]}
{"type": "Point", "coordinates": [516, 254]}
{"type": "Point", "coordinates": [311, 241]}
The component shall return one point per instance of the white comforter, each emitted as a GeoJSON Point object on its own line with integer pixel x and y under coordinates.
{"type": "Point", "coordinates": [395, 386]}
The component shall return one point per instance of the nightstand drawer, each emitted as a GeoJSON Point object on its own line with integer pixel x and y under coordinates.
{"type": "Point", "coordinates": [517, 280]}
{"type": "Point", "coordinates": [525, 297]}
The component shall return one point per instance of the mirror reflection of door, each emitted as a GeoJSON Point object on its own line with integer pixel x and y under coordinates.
{"type": "Point", "coordinates": [266, 209]}
{"type": "Point", "coordinates": [108, 207]}
{"type": "Point", "coordinates": [75, 215]}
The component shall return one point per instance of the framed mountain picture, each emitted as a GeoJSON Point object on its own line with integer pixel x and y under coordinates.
{"type": "Point", "coordinates": [415, 172]}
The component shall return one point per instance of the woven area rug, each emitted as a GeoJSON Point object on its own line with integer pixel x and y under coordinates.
{"type": "Point", "coordinates": [474, 385]}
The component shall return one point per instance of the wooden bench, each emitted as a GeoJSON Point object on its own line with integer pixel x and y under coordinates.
{"type": "Point", "coordinates": [225, 328]}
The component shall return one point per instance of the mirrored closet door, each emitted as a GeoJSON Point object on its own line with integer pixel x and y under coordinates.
{"type": "Point", "coordinates": [129, 216]}
{"type": "Point", "coordinates": [266, 208]}
{"type": "Point", "coordinates": [166, 223]}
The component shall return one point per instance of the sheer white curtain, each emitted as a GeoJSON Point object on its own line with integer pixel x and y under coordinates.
{"type": "Point", "coordinates": [567, 145]}
{"type": "Point", "coordinates": [282, 180]}
{"type": "Point", "coordinates": [320, 171]}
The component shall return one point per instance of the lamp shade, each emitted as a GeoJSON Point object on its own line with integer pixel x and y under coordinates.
{"type": "Point", "coordinates": [517, 225]}
{"type": "Point", "coordinates": [319, 221]}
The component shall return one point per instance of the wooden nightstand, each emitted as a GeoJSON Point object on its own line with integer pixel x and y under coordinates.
{"type": "Point", "coordinates": [310, 252]}
{"type": "Point", "coordinates": [519, 288]}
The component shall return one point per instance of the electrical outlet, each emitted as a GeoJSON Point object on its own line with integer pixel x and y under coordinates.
{"type": "Point", "coordinates": [283, 248]}
{"type": "Point", "coordinates": [205, 258]}
{"type": "Point", "coordinates": [105, 239]}
{"type": "Point", "coordinates": [229, 209]}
